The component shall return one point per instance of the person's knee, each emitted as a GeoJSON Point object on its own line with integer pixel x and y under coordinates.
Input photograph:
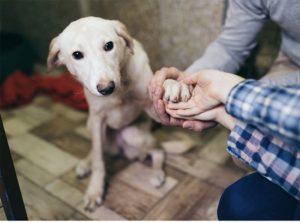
{"type": "Point", "coordinates": [229, 205]}
{"type": "Point", "coordinates": [253, 197]}
{"type": "Point", "coordinates": [237, 202]}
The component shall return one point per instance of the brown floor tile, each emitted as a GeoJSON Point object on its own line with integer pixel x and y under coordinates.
{"type": "Point", "coordinates": [78, 216]}
{"type": "Point", "coordinates": [33, 115]}
{"type": "Point", "coordinates": [101, 213]}
{"type": "Point", "coordinates": [138, 176]}
{"type": "Point", "coordinates": [55, 128]}
{"type": "Point", "coordinates": [41, 203]}
{"type": "Point", "coordinates": [6, 114]}
{"type": "Point", "coordinates": [73, 144]}
{"type": "Point", "coordinates": [69, 113]}
{"type": "Point", "coordinates": [71, 179]}
{"type": "Point", "coordinates": [43, 154]}
{"type": "Point", "coordinates": [33, 172]}
{"type": "Point", "coordinates": [65, 192]}
{"type": "Point", "coordinates": [200, 139]}
{"type": "Point", "coordinates": [215, 149]}
{"type": "Point", "coordinates": [15, 126]}
{"type": "Point", "coordinates": [2, 214]}
{"type": "Point", "coordinates": [117, 197]}
{"type": "Point", "coordinates": [173, 172]}
{"type": "Point", "coordinates": [206, 208]}
{"type": "Point", "coordinates": [204, 170]}
{"type": "Point", "coordinates": [15, 156]}
{"type": "Point", "coordinates": [83, 131]}
{"type": "Point", "coordinates": [180, 202]}
{"type": "Point", "coordinates": [43, 101]}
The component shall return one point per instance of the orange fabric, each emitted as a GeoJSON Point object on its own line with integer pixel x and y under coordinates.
{"type": "Point", "coordinates": [19, 89]}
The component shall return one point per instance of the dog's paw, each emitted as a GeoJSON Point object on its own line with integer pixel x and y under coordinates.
{"type": "Point", "coordinates": [92, 200]}
{"type": "Point", "coordinates": [175, 91]}
{"type": "Point", "coordinates": [83, 169]}
{"type": "Point", "coordinates": [172, 90]}
{"type": "Point", "coordinates": [185, 92]}
{"type": "Point", "coordinates": [158, 178]}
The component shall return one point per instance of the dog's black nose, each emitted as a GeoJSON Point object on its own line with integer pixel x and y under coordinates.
{"type": "Point", "coordinates": [106, 89]}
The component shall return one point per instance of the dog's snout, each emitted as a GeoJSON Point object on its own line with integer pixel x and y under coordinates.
{"type": "Point", "coordinates": [106, 88]}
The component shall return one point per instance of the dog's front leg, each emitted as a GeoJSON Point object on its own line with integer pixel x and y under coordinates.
{"type": "Point", "coordinates": [94, 193]}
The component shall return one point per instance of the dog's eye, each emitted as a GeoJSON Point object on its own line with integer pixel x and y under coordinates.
{"type": "Point", "coordinates": [108, 46]}
{"type": "Point", "coordinates": [77, 55]}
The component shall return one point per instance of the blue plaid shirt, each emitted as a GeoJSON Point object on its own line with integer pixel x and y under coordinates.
{"type": "Point", "coordinates": [268, 136]}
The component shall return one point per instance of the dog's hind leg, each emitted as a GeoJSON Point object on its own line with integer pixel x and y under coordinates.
{"type": "Point", "coordinates": [142, 148]}
{"type": "Point", "coordinates": [157, 158]}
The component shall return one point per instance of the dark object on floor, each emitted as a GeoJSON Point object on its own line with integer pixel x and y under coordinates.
{"type": "Point", "coordinates": [19, 89]}
{"type": "Point", "coordinates": [9, 187]}
{"type": "Point", "coordinates": [16, 53]}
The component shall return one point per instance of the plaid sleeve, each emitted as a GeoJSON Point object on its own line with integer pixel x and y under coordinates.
{"type": "Point", "coordinates": [274, 110]}
{"type": "Point", "coordinates": [270, 156]}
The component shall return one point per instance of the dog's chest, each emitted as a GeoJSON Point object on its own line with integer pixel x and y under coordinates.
{"type": "Point", "coordinates": [124, 113]}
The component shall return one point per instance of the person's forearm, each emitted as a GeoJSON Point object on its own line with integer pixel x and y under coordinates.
{"type": "Point", "coordinates": [227, 121]}
{"type": "Point", "coordinates": [238, 37]}
{"type": "Point", "coordinates": [272, 109]}
{"type": "Point", "coordinates": [292, 78]}
{"type": "Point", "coordinates": [268, 155]}
{"type": "Point", "coordinates": [215, 57]}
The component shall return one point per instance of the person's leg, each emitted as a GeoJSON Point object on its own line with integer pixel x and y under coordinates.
{"type": "Point", "coordinates": [253, 197]}
{"type": "Point", "coordinates": [282, 72]}
{"type": "Point", "coordinates": [281, 66]}
{"type": "Point", "coordinates": [297, 212]}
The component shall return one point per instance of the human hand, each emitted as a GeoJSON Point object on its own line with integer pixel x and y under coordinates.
{"type": "Point", "coordinates": [156, 92]}
{"type": "Point", "coordinates": [199, 102]}
{"type": "Point", "coordinates": [207, 119]}
{"type": "Point", "coordinates": [198, 126]}
{"type": "Point", "coordinates": [211, 89]}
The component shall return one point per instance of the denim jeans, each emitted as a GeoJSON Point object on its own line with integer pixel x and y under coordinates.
{"type": "Point", "coordinates": [253, 197]}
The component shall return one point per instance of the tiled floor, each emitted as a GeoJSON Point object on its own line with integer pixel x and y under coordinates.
{"type": "Point", "coordinates": [47, 139]}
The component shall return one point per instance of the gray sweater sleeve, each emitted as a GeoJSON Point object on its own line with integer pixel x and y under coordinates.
{"type": "Point", "coordinates": [238, 37]}
{"type": "Point", "coordinates": [292, 78]}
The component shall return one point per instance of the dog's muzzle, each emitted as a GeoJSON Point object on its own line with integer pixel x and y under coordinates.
{"type": "Point", "coordinates": [106, 89]}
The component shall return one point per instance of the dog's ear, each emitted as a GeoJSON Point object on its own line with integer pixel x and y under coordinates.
{"type": "Point", "coordinates": [53, 56]}
{"type": "Point", "coordinates": [122, 31]}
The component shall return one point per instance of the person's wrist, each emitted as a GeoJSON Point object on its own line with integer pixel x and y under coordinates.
{"type": "Point", "coordinates": [224, 88]}
{"type": "Point", "coordinates": [224, 118]}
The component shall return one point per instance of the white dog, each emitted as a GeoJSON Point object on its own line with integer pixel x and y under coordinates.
{"type": "Point", "coordinates": [115, 73]}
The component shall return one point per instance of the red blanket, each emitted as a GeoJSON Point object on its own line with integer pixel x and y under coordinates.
{"type": "Point", "coordinates": [19, 89]}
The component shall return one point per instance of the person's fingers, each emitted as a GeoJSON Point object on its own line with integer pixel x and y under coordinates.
{"type": "Point", "coordinates": [207, 115]}
{"type": "Point", "coordinates": [159, 107]}
{"type": "Point", "coordinates": [154, 84]}
{"type": "Point", "coordinates": [188, 112]}
{"type": "Point", "coordinates": [181, 105]}
{"type": "Point", "coordinates": [159, 78]}
{"type": "Point", "coordinates": [198, 126]}
{"type": "Point", "coordinates": [181, 77]}
{"type": "Point", "coordinates": [167, 73]}
{"type": "Point", "coordinates": [190, 79]}
{"type": "Point", "coordinates": [150, 89]}
{"type": "Point", "coordinates": [176, 121]}
{"type": "Point", "coordinates": [172, 113]}
{"type": "Point", "coordinates": [158, 93]}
